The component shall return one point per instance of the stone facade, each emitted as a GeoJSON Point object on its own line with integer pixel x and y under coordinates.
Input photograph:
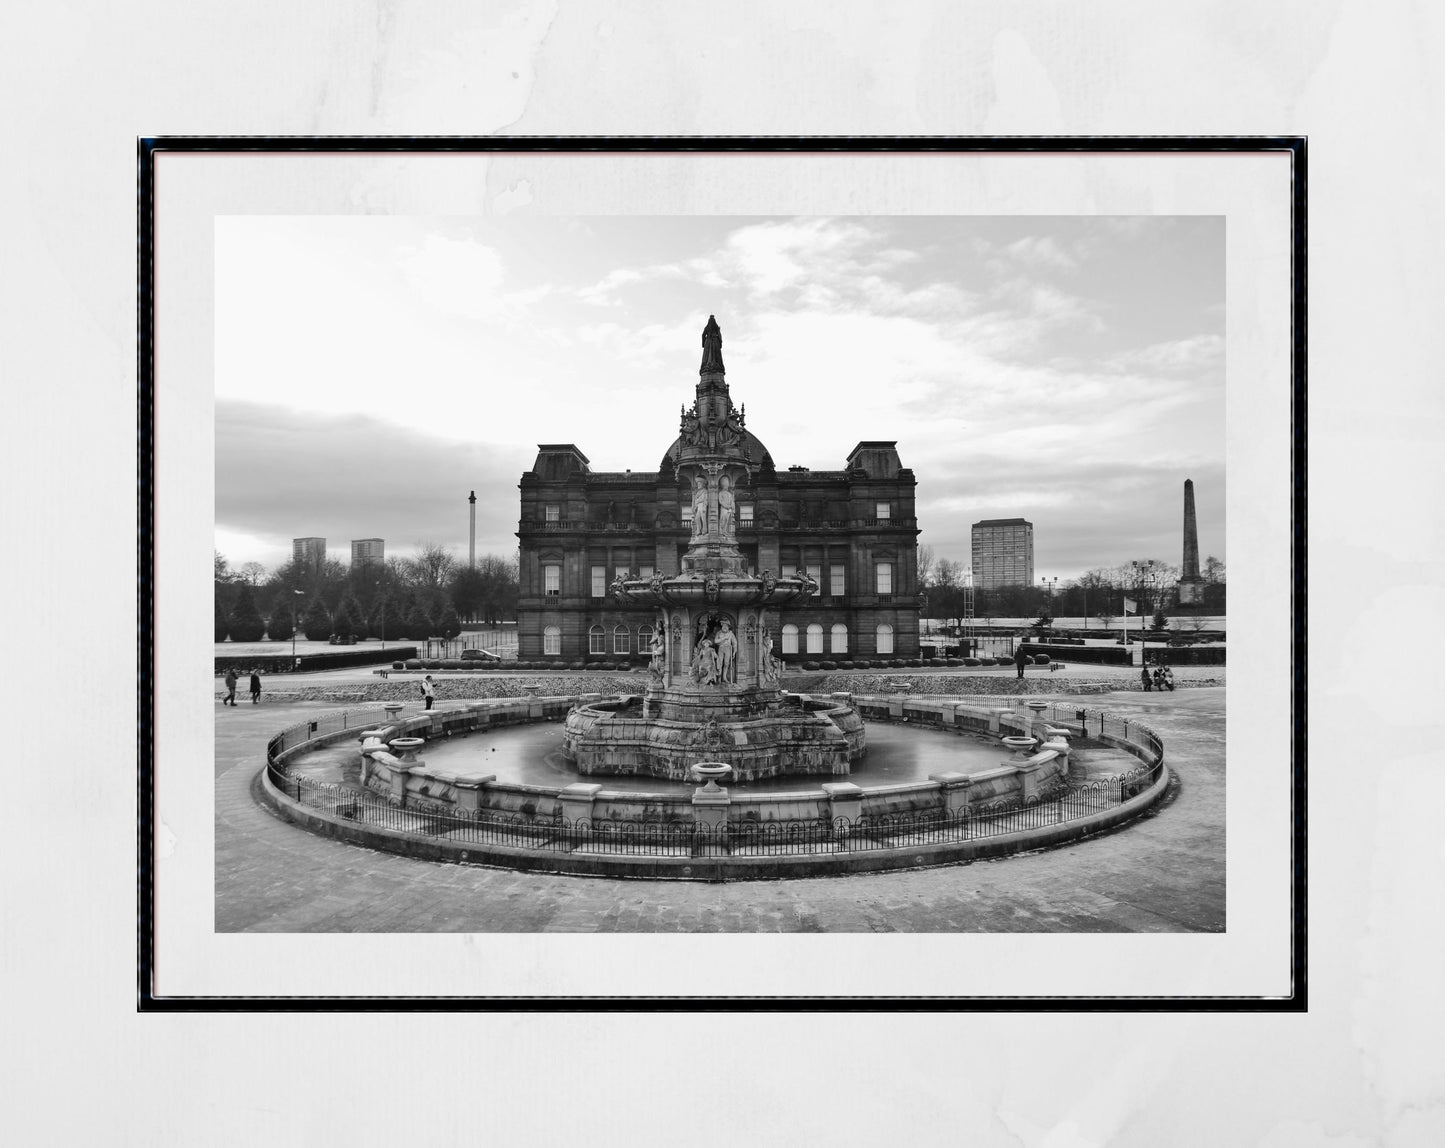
{"type": "Point", "coordinates": [853, 530]}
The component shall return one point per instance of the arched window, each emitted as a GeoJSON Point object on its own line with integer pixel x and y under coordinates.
{"type": "Point", "coordinates": [790, 639]}
{"type": "Point", "coordinates": [597, 640]}
{"type": "Point", "coordinates": [840, 638]}
{"type": "Point", "coordinates": [885, 638]}
{"type": "Point", "coordinates": [815, 638]}
{"type": "Point", "coordinates": [621, 636]}
{"type": "Point", "coordinates": [644, 639]}
{"type": "Point", "coordinates": [552, 640]}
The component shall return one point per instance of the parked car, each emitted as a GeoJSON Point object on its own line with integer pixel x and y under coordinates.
{"type": "Point", "coordinates": [480, 656]}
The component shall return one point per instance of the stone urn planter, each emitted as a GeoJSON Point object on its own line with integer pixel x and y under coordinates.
{"type": "Point", "coordinates": [406, 747]}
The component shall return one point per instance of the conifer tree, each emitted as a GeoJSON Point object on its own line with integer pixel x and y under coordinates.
{"type": "Point", "coordinates": [246, 624]}
{"type": "Point", "coordinates": [316, 622]}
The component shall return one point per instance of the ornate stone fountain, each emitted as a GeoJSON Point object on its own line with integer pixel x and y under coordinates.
{"type": "Point", "coordinates": [714, 694]}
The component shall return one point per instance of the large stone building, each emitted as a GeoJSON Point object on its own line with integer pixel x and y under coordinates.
{"type": "Point", "coordinates": [852, 530]}
{"type": "Point", "coordinates": [1003, 553]}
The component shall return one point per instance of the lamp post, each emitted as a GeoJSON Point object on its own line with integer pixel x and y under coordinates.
{"type": "Point", "coordinates": [382, 611]}
{"type": "Point", "coordinates": [1144, 577]}
{"type": "Point", "coordinates": [1050, 583]}
{"type": "Point", "coordinates": [295, 595]}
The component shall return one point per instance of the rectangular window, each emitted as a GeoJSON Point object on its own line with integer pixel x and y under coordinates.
{"type": "Point", "coordinates": [599, 581]}
{"type": "Point", "coordinates": [815, 572]}
{"type": "Point", "coordinates": [745, 514]}
{"type": "Point", "coordinates": [885, 577]}
{"type": "Point", "coordinates": [622, 572]}
{"type": "Point", "coordinates": [554, 512]}
{"type": "Point", "coordinates": [790, 570]}
{"type": "Point", "coordinates": [835, 580]}
{"type": "Point", "coordinates": [882, 510]}
{"type": "Point", "coordinates": [552, 579]}
{"type": "Point", "coordinates": [645, 572]}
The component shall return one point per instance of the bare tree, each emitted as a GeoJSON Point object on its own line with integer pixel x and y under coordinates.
{"type": "Point", "coordinates": [253, 572]}
{"type": "Point", "coordinates": [925, 566]}
{"type": "Point", "coordinates": [431, 567]}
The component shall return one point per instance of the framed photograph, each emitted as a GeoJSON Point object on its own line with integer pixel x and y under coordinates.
{"type": "Point", "coordinates": [723, 573]}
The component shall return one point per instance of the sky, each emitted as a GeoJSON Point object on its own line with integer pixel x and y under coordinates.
{"type": "Point", "coordinates": [371, 371]}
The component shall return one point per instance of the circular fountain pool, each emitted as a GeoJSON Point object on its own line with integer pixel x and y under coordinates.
{"type": "Point", "coordinates": [532, 755]}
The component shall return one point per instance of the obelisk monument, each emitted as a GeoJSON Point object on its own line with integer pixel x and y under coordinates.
{"type": "Point", "coordinates": [1191, 585]}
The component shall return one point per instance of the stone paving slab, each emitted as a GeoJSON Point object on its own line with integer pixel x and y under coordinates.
{"type": "Point", "coordinates": [1164, 873]}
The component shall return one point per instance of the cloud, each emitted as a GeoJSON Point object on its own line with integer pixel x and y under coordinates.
{"type": "Point", "coordinates": [1040, 251]}
{"type": "Point", "coordinates": [1177, 356]}
{"type": "Point", "coordinates": [283, 474]}
{"type": "Point", "coordinates": [455, 276]}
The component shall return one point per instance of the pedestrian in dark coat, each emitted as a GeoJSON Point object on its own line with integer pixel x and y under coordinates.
{"type": "Point", "coordinates": [1144, 677]}
{"type": "Point", "coordinates": [231, 679]}
{"type": "Point", "coordinates": [1021, 659]}
{"type": "Point", "coordinates": [255, 687]}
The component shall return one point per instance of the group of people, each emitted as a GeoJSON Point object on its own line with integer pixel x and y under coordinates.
{"type": "Point", "coordinates": [233, 679]}
{"type": "Point", "coordinates": [1159, 678]}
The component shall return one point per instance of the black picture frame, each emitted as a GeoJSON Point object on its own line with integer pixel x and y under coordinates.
{"type": "Point", "coordinates": [148, 151]}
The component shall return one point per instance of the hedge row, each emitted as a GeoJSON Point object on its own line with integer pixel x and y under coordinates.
{"type": "Point", "coordinates": [1097, 655]}
{"type": "Point", "coordinates": [283, 663]}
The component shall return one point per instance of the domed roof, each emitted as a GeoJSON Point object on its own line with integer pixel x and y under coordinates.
{"type": "Point", "coordinates": [752, 448]}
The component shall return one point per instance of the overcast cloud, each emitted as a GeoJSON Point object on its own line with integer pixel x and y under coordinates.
{"type": "Point", "coordinates": [372, 370]}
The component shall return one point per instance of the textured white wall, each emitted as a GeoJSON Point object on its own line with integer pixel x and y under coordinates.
{"type": "Point", "coordinates": [81, 80]}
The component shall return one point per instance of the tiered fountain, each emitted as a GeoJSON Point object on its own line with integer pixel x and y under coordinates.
{"type": "Point", "coordinates": [713, 695]}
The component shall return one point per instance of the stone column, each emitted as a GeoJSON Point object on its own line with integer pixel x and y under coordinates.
{"type": "Point", "coordinates": [953, 787]}
{"type": "Point", "coordinates": [575, 801]}
{"type": "Point", "coordinates": [469, 793]}
{"type": "Point", "coordinates": [844, 800]}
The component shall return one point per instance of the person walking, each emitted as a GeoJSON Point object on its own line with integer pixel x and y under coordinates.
{"type": "Point", "coordinates": [256, 687]}
{"type": "Point", "coordinates": [1168, 678]}
{"type": "Point", "coordinates": [1144, 677]}
{"type": "Point", "coordinates": [426, 690]}
{"type": "Point", "coordinates": [231, 679]}
{"type": "Point", "coordinates": [1021, 659]}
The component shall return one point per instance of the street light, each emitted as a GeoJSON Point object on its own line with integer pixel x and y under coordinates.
{"type": "Point", "coordinates": [382, 612]}
{"type": "Point", "coordinates": [299, 593]}
{"type": "Point", "coordinates": [1050, 583]}
{"type": "Point", "coordinates": [1144, 576]}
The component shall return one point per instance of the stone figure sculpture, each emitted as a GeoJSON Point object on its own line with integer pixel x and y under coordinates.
{"type": "Point", "coordinates": [767, 661]}
{"type": "Point", "coordinates": [699, 507]}
{"type": "Point", "coordinates": [726, 644]}
{"type": "Point", "coordinates": [655, 648]}
{"type": "Point", "coordinates": [704, 662]}
{"type": "Point", "coordinates": [726, 509]}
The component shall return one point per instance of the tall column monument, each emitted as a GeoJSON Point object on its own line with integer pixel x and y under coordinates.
{"type": "Point", "coordinates": [1191, 585]}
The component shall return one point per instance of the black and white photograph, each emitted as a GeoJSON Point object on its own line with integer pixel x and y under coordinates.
{"type": "Point", "coordinates": [795, 563]}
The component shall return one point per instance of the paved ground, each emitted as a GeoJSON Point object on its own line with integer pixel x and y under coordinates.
{"type": "Point", "coordinates": [1163, 874]}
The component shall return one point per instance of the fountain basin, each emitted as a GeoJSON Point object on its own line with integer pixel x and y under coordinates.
{"type": "Point", "coordinates": [790, 736]}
